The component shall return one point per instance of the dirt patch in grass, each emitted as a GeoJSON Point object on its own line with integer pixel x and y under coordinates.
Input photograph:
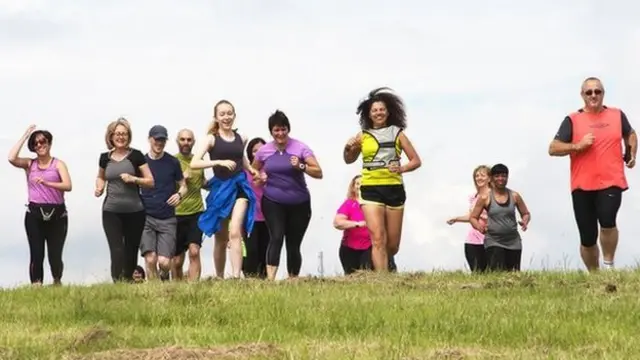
{"type": "Point", "coordinates": [247, 351]}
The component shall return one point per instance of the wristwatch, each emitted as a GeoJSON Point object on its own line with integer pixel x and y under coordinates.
{"type": "Point", "coordinates": [302, 166]}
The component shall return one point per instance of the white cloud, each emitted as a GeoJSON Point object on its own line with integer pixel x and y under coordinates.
{"type": "Point", "coordinates": [483, 83]}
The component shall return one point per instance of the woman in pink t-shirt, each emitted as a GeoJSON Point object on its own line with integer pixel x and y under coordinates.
{"type": "Point", "coordinates": [355, 248]}
{"type": "Point", "coordinates": [474, 245]}
{"type": "Point", "coordinates": [255, 263]}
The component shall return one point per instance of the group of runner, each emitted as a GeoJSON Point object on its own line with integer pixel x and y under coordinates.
{"type": "Point", "coordinates": [258, 198]}
{"type": "Point", "coordinates": [592, 137]}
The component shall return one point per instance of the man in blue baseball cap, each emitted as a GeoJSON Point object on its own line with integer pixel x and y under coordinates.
{"type": "Point", "coordinates": [158, 242]}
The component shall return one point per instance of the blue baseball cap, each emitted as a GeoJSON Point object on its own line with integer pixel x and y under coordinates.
{"type": "Point", "coordinates": [159, 132]}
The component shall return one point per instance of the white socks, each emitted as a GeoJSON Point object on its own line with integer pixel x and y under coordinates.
{"type": "Point", "coordinates": [608, 265]}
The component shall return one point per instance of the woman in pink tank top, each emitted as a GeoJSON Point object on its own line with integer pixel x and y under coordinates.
{"type": "Point", "coordinates": [474, 245]}
{"type": "Point", "coordinates": [45, 220]}
{"type": "Point", "coordinates": [355, 247]}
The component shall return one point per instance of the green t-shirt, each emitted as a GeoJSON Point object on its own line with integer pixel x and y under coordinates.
{"type": "Point", "coordinates": [192, 203]}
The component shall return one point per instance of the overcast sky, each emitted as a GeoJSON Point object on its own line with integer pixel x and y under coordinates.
{"type": "Point", "coordinates": [484, 82]}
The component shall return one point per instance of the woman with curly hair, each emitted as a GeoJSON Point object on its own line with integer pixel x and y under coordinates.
{"type": "Point", "coordinates": [382, 194]}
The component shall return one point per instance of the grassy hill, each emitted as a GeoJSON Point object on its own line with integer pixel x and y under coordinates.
{"type": "Point", "coordinates": [406, 316]}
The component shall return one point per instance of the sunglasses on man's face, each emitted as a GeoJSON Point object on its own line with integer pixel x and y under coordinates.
{"type": "Point", "coordinates": [592, 92]}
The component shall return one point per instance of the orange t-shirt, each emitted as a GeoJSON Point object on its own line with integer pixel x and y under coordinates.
{"type": "Point", "coordinates": [601, 165]}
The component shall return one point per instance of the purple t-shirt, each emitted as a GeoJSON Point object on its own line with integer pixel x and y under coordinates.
{"type": "Point", "coordinates": [285, 184]}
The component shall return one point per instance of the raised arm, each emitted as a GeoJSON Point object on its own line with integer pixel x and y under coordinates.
{"type": "Point", "coordinates": [352, 149]}
{"type": "Point", "coordinates": [412, 154]}
{"type": "Point", "coordinates": [474, 217]}
{"type": "Point", "coordinates": [522, 210]}
{"type": "Point", "coordinates": [14, 159]}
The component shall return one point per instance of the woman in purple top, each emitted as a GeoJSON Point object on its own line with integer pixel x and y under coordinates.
{"type": "Point", "coordinates": [46, 218]}
{"type": "Point", "coordinates": [286, 203]}
{"type": "Point", "coordinates": [254, 265]}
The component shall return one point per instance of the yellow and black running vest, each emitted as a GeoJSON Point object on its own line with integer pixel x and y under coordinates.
{"type": "Point", "coordinates": [380, 147]}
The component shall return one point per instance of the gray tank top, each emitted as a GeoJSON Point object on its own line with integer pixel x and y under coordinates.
{"type": "Point", "coordinates": [502, 226]}
{"type": "Point", "coordinates": [227, 150]}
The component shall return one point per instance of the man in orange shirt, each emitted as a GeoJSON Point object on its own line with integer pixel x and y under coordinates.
{"type": "Point", "coordinates": [592, 137]}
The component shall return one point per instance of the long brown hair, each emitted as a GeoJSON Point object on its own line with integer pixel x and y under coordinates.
{"type": "Point", "coordinates": [214, 126]}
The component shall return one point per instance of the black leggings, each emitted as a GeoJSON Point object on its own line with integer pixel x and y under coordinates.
{"type": "Point", "coordinates": [476, 257]}
{"type": "Point", "coordinates": [287, 225]}
{"type": "Point", "coordinates": [501, 259]}
{"type": "Point", "coordinates": [255, 264]}
{"type": "Point", "coordinates": [353, 260]}
{"type": "Point", "coordinates": [123, 231]}
{"type": "Point", "coordinates": [53, 232]}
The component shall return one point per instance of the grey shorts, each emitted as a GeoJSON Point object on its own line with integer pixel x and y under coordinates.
{"type": "Point", "coordinates": [159, 236]}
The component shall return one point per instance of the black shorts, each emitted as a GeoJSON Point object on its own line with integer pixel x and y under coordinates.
{"type": "Point", "coordinates": [392, 196]}
{"type": "Point", "coordinates": [241, 194]}
{"type": "Point", "coordinates": [594, 207]}
{"type": "Point", "coordinates": [187, 232]}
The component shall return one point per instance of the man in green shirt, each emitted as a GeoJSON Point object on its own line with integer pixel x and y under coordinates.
{"type": "Point", "coordinates": [189, 235]}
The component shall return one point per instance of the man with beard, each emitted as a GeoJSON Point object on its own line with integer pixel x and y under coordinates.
{"type": "Point", "coordinates": [158, 243]}
{"type": "Point", "coordinates": [189, 235]}
{"type": "Point", "coordinates": [502, 240]}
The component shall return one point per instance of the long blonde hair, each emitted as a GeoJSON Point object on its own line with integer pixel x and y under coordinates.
{"type": "Point", "coordinates": [214, 127]}
{"type": "Point", "coordinates": [484, 168]}
{"type": "Point", "coordinates": [111, 129]}
{"type": "Point", "coordinates": [351, 192]}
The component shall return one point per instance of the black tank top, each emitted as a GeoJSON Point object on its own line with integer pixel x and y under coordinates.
{"type": "Point", "coordinates": [227, 150]}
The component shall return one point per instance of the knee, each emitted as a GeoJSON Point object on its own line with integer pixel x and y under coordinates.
{"type": "Point", "coordinates": [164, 262]}
{"type": "Point", "coordinates": [392, 250]}
{"type": "Point", "coordinates": [235, 235]}
{"type": "Point", "coordinates": [194, 253]}
{"type": "Point", "coordinates": [378, 238]}
{"type": "Point", "coordinates": [608, 228]}
{"type": "Point", "coordinates": [151, 259]}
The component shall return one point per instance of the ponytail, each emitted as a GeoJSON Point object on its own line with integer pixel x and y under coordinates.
{"type": "Point", "coordinates": [213, 128]}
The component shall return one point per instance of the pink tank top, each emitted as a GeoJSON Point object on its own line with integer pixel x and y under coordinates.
{"type": "Point", "coordinates": [474, 236]}
{"type": "Point", "coordinates": [42, 194]}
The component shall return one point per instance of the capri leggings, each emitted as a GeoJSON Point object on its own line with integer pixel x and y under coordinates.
{"type": "Point", "coordinates": [123, 232]}
{"type": "Point", "coordinates": [46, 226]}
{"type": "Point", "coordinates": [595, 207]}
{"type": "Point", "coordinates": [287, 225]}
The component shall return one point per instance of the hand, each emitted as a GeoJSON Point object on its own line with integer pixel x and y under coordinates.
{"type": "Point", "coordinates": [295, 162]}
{"type": "Point", "coordinates": [40, 180]}
{"type": "Point", "coordinates": [127, 178]}
{"type": "Point", "coordinates": [394, 167]}
{"type": "Point", "coordinates": [261, 179]}
{"type": "Point", "coordinates": [229, 164]}
{"type": "Point", "coordinates": [29, 130]}
{"type": "Point", "coordinates": [523, 225]}
{"type": "Point", "coordinates": [586, 141]}
{"type": "Point", "coordinates": [632, 162]}
{"type": "Point", "coordinates": [174, 200]}
{"type": "Point", "coordinates": [361, 224]}
{"type": "Point", "coordinates": [98, 191]}
{"type": "Point", "coordinates": [452, 221]}
{"type": "Point", "coordinates": [186, 174]}
{"type": "Point", "coordinates": [353, 144]}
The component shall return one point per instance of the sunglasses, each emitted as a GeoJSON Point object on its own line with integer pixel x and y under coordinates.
{"type": "Point", "coordinates": [591, 92]}
{"type": "Point", "coordinates": [40, 142]}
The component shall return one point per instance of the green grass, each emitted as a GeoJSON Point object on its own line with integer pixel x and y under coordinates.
{"type": "Point", "coordinates": [405, 316]}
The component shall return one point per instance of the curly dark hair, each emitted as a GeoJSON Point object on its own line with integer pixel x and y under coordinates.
{"type": "Point", "coordinates": [395, 108]}
{"type": "Point", "coordinates": [250, 146]}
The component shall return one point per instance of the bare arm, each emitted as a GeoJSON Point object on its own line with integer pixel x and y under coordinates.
{"type": "Point", "coordinates": [146, 180]}
{"type": "Point", "coordinates": [462, 219]}
{"type": "Point", "coordinates": [474, 217]}
{"type": "Point", "coordinates": [65, 179]}
{"type": "Point", "coordinates": [341, 222]}
{"type": "Point", "coordinates": [522, 209]}
{"type": "Point", "coordinates": [245, 161]}
{"type": "Point", "coordinates": [198, 162]}
{"type": "Point", "coordinates": [631, 141]}
{"type": "Point", "coordinates": [352, 149]}
{"type": "Point", "coordinates": [561, 145]}
{"type": "Point", "coordinates": [14, 159]}
{"type": "Point", "coordinates": [182, 188]}
{"type": "Point", "coordinates": [312, 167]}
{"type": "Point", "coordinates": [412, 154]}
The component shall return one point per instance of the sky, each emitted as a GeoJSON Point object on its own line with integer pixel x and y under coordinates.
{"type": "Point", "coordinates": [483, 82]}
